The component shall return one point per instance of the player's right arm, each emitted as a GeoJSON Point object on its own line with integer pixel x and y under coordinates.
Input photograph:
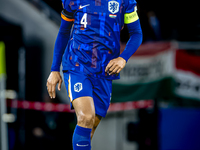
{"type": "Point", "coordinates": [132, 20]}
{"type": "Point", "coordinates": [59, 49]}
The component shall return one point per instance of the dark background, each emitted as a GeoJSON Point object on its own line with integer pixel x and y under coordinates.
{"type": "Point", "coordinates": [176, 20]}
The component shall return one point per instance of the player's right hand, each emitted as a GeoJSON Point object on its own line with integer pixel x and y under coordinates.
{"type": "Point", "coordinates": [52, 81]}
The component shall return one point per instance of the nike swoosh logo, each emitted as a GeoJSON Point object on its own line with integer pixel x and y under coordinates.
{"type": "Point", "coordinates": [81, 145]}
{"type": "Point", "coordinates": [80, 7]}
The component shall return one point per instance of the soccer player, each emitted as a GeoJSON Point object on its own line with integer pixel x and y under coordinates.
{"type": "Point", "coordinates": [88, 44]}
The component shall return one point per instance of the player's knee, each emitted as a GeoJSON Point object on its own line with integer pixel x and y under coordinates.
{"type": "Point", "coordinates": [86, 120]}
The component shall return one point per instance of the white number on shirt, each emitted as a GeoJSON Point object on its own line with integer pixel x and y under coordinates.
{"type": "Point", "coordinates": [84, 20]}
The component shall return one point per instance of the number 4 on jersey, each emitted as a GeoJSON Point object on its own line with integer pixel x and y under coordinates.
{"type": "Point", "coordinates": [84, 20]}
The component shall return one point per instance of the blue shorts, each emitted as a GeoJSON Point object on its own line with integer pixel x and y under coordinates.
{"type": "Point", "coordinates": [79, 84]}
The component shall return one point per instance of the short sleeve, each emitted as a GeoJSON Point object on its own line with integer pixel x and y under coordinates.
{"type": "Point", "coordinates": [131, 12]}
{"type": "Point", "coordinates": [67, 14]}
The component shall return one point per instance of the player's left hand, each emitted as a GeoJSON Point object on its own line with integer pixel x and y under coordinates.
{"type": "Point", "coordinates": [115, 65]}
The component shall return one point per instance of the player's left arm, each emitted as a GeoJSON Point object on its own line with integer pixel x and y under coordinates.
{"type": "Point", "coordinates": [135, 40]}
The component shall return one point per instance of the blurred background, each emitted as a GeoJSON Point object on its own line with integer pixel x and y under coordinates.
{"type": "Point", "coordinates": [155, 104]}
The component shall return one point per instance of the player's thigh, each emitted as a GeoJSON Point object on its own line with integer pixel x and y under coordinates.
{"type": "Point", "coordinates": [79, 89]}
{"type": "Point", "coordinates": [84, 106]}
{"type": "Point", "coordinates": [85, 111]}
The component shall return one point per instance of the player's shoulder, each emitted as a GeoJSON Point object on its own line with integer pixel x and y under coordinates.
{"type": "Point", "coordinates": [130, 2]}
{"type": "Point", "coordinates": [130, 6]}
{"type": "Point", "coordinates": [69, 4]}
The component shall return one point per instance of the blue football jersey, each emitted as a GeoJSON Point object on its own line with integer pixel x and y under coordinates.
{"type": "Point", "coordinates": [95, 36]}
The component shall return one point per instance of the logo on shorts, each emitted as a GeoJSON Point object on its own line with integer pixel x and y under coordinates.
{"type": "Point", "coordinates": [78, 87]}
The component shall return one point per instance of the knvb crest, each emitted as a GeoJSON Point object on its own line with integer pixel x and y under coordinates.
{"type": "Point", "coordinates": [113, 7]}
{"type": "Point", "coordinates": [78, 87]}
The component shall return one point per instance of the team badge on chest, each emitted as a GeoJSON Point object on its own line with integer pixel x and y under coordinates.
{"type": "Point", "coordinates": [113, 7]}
